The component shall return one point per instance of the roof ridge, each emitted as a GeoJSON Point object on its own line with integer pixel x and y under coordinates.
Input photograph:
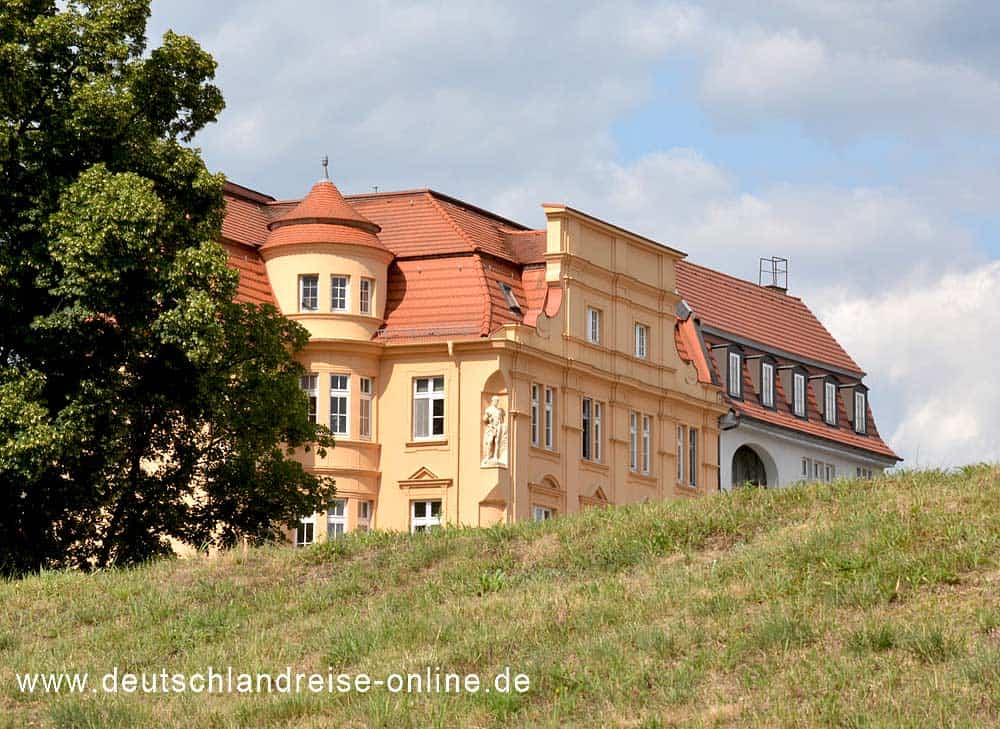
{"type": "Point", "coordinates": [757, 287]}
{"type": "Point", "coordinates": [451, 221]}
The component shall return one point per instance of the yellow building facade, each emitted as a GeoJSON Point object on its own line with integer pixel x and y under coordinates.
{"type": "Point", "coordinates": [475, 372]}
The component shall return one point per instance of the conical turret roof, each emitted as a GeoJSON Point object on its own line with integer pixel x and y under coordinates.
{"type": "Point", "coordinates": [323, 216]}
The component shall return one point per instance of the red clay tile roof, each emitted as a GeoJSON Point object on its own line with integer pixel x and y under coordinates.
{"type": "Point", "coordinates": [323, 216]}
{"type": "Point", "coordinates": [528, 246]}
{"type": "Point", "coordinates": [414, 307]}
{"type": "Point", "coordinates": [770, 318]}
{"type": "Point", "coordinates": [254, 287]}
{"type": "Point", "coordinates": [324, 204]}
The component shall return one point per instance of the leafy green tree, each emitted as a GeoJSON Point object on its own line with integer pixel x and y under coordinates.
{"type": "Point", "coordinates": [138, 402]}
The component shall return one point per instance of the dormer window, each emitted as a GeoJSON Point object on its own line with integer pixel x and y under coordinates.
{"type": "Point", "coordinates": [309, 292]}
{"type": "Point", "coordinates": [508, 294]}
{"type": "Point", "coordinates": [735, 374]}
{"type": "Point", "coordinates": [860, 412]}
{"type": "Point", "coordinates": [767, 383]}
{"type": "Point", "coordinates": [799, 394]}
{"type": "Point", "coordinates": [830, 402]}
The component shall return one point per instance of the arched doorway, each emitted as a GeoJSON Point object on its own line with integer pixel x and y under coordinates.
{"type": "Point", "coordinates": [748, 467]}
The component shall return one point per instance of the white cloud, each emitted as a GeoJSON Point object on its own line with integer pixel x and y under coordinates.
{"type": "Point", "coordinates": [509, 105]}
{"type": "Point", "coordinates": [932, 351]}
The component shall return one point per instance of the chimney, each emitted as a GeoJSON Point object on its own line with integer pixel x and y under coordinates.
{"type": "Point", "coordinates": [773, 274]}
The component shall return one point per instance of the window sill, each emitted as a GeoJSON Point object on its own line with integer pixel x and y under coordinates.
{"type": "Point", "coordinates": [647, 478]}
{"type": "Point", "coordinates": [429, 443]}
{"type": "Point", "coordinates": [545, 453]}
{"type": "Point", "coordinates": [594, 466]}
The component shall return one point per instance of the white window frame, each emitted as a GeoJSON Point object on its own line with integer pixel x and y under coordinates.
{"type": "Point", "coordinates": [336, 519]}
{"type": "Point", "coordinates": [428, 521]}
{"type": "Point", "coordinates": [586, 423]}
{"type": "Point", "coordinates": [693, 457]}
{"type": "Point", "coordinates": [550, 404]}
{"type": "Point", "coordinates": [366, 408]}
{"type": "Point", "coordinates": [767, 384]}
{"type": "Point", "coordinates": [681, 449]}
{"type": "Point", "coordinates": [542, 513]}
{"type": "Point", "coordinates": [799, 394]}
{"type": "Point", "coordinates": [829, 472]}
{"type": "Point", "coordinates": [431, 394]}
{"type": "Point", "coordinates": [806, 467]}
{"type": "Point", "coordinates": [338, 294]}
{"type": "Point", "coordinates": [366, 509]}
{"type": "Point", "coordinates": [313, 295]}
{"type": "Point", "coordinates": [310, 386]}
{"type": "Point", "coordinates": [830, 402]}
{"type": "Point", "coordinates": [646, 443]}
{"type": "Point", "coordinates": [641, 341]}
{"type": "Point", "coordinates": [860, 412]}
{"type": "Point", "coordinates": [536, 425]}
{"type": "Point", "coordinates": [735, 373]}
{"type": "Point", "coordinates": [366, 295]}
{"type": "Point", "coordinates": [593, 325]}
{"type": "Point", "coordinates": [343, 397]}
{"type": "Point", "coordinates": [633, 440]}
{"type": "Point", "coordinates": [306, 525]}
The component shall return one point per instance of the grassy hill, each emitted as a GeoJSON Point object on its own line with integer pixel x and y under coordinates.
{"type": "Point", "coordinates": [848, 604]}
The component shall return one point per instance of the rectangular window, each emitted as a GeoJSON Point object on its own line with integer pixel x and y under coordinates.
{"type": "Point", "coordinates": [365, 409]}
{"type": "Point", "coordinates": [309, 292]}
{"type": "Point", "coordinates": [305, 531]}
{"type": "Point", "coordinates": [428, 408]}
{"type": "Point", "coordinates": [806, 467]}
{"type": "Point", "coordinates": [310, 386]}
{"type": "Point", "coordinates": [366, 292]}
{"type": "Point", "coordinates": [860, 412]}
{"type": "Point", "coordinates": [646, 438]}
{"type": "Point", "coordinates": [735, 374]}
{"type": "Point", "coordinates": [598, 408]}
{"type": "Point", "coordinates": [817, 466]}
{"type": "Point", "coordinates": [535, 415]}
{"type": "Point", "coordinates": [799, 394]}
{"type": "Point", "coordinates": [830, 472]}
{"type": "Point", "coordinates": [550, 403]}
{"type": "Point", "coordinates": [542, 513]}
{"type": "Point", "coordinates": [633, 440]}
{"type": "Point", "coordinates": [336, 519]}
{"type": "Point", "coordinates": [641, 340]}
{"type": "Point", "coordinates": [425, 515]}
{"type": "Point", "coordinates": [338, 293]}
{"type": "Point", "coordinates": [830, 403]}
{"type": "Point", "coordinates": [365, 509]}
{"type": "Point", "coordinates": [693, 456]}
{"type": "Point", "coordinates": [586, 440]}
{"type": "Point", "coordinates": [340, 394]}
{"type": "Point", "coordinates": [767, 384]}
{"type": "Point", "coordinates": [593, 325]}
{"type": "Point", "coordinates": [680, 453]}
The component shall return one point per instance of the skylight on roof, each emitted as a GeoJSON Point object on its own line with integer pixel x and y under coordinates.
{"type": "Point", "coordinates": [508, 294]}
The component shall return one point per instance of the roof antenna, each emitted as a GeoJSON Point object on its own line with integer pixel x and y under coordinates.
{"type": "Point", "coordinates": [326, 166]}
{"type": "Point", "coordinates": [375, 188]}
{"type": "Point", "coordinates": [773, 274]}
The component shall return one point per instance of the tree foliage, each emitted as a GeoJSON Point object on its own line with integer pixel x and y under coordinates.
{"type": "Point", "coordinates": [138, 402]}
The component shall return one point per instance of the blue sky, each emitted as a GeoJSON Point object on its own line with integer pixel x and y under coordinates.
{"type": "Point", "coordinates": [861, 140]}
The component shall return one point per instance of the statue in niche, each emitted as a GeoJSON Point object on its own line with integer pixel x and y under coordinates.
{"type": "Point", "coordinates": [495, 434]}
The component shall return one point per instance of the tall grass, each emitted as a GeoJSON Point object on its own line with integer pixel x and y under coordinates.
{"type": "Point", "coordinates": [843, 604]}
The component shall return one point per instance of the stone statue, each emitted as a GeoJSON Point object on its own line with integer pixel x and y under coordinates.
{"type": "Point", "coordinates": [495, 435]}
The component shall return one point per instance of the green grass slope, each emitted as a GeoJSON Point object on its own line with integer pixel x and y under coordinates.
{"type": "Point", "coordinates": [848, 604]}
